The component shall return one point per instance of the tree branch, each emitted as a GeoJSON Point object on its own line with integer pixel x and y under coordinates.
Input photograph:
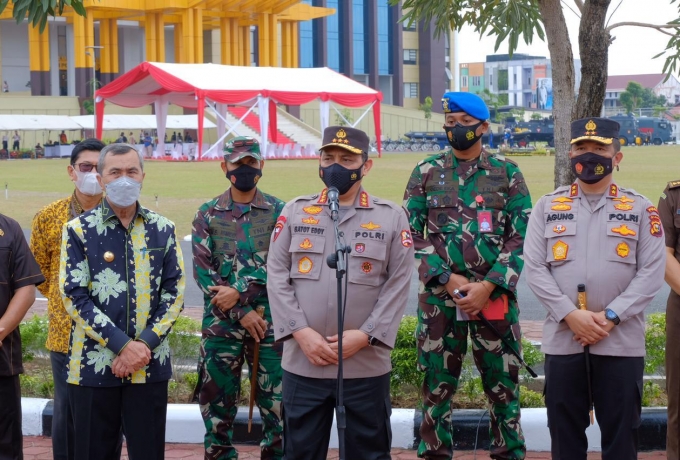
{"type": "Point", "coordinates": [579, 5]}
{"type": "Point", "coordinates": [660, 27]}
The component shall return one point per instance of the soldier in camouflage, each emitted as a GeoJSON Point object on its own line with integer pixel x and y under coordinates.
{"type": "Point", "coordinates": [468, 212]}
{"type": "Point", "coordinates": [230, 242]}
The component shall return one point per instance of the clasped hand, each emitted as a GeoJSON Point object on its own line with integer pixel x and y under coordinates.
{"type": "Point", "coordinates": [588, 327]}
{"type": "Point", "coordinates": [225, 297]}
{"type": "Point", "coordinates": [134, 356]}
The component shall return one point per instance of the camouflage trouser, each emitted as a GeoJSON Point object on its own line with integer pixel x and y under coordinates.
{"type": "Point", "coordinates": [219, 386]}
{"type": "Point", "coordinates": [442, 344]}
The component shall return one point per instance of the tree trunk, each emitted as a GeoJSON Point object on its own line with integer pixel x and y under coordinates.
{"type": "Point", "coordinates": [593, 42]}
{"type": "Point", "coordinates": [562, 60]}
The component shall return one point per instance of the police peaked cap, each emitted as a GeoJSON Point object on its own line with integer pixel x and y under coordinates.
{"type": "Point", "coordinates": [469, 103]}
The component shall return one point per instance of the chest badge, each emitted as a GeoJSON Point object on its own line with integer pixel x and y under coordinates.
{"type": "Point", "coordinates": [305, 265]}
{"type": "Point", "coordinates": [623, 230]}
{"type": "Point", "coordinates": [563, 199]}
{"type": "Point", "coordinates": [623, 207]}
{"type": "Point", "coordinates": [306, 244]}
{"type": "Point", "coordinates": [108, 256]}
{"type": "Point", "coordinates": [561, 207]}
{"type": "Point", "coordinates": [370, 226]}
{"type": "Point", "coordinates": [366, 267]}
{"type": "Point", "coordinates": [624, 199]}
{"type": "Point", "coordinates": [310, 221]}
{"type": "Point", "coordinates": [313, 210]}
{"type": "Point", "coordinates": [559, 228]}
{"type": "Point", "coordinates": [359, 248]}
{"type": "Point", "coordinates": [560, 250]}
{"type": "Point", "coordinates": [622, 250]}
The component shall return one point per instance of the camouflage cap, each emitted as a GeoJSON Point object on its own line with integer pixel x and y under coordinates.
{"type": "Point", "coordinates": [241, 147]}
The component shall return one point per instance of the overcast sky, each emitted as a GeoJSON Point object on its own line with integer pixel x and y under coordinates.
{"type": "Point", "coordinates": [630, 53]}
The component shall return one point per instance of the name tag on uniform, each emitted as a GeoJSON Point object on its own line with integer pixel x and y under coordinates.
{"type": "Point", "coordinates": [484, 221]}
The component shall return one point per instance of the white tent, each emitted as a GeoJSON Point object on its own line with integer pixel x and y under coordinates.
{"type": "Point", "coordinates": [37, 123]}
{"type": "Point", "coordinates": [129, 122]}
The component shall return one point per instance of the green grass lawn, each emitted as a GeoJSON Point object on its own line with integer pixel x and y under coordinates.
{"type": "Point", "coordinates": [182, 187]}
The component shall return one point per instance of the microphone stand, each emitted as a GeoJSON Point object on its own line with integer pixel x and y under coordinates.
{"type": "Point", "coordinates": [338, 261]}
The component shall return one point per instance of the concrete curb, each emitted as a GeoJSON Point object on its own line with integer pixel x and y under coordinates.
{"type": "Point", "coordinates": [185, 425]}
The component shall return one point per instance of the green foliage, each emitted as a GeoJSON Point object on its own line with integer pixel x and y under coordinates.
{"type": "Point", "coordinates": [404, 355]}
{"type": "Point", "coordinates": [88, 105]}
{"type": "Point", "coordinates": [38, 11]}
{"type": "Point", "coordinates": [347, 120]}
{"type": "Point", "coordinates": [492, 101]}
{"type": "Point", "coordinates": [529, 398]}
{"type": "Point", "coordinates": [536, 116]}
{"type": "Point", "coordinates": [653, 395]}
{"type": "Point", "coordinates": [502, 79]}
{"type": "Point", "coordinates": [635, 97]}
{"type": "Point", "coordinates": [40, 385]}
{"type": "Point", "coordinates": [185, 342]}
{"type": "Point", "coordinates": [33, 337]}
{"type": "Point", "coordinates": [655, 343]}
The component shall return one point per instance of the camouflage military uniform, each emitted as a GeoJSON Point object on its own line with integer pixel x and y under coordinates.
{"type": "Point", "coordinates": [230, 243]}
{"type": "Point", "coordinates": [443, 213]}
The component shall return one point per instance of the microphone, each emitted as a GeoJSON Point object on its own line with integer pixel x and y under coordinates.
{"type": "Point", "coordinates": [334, 202]}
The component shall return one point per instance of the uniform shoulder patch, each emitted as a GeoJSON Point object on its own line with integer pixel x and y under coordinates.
{"type": "Point", "coordinates": [674, 184]}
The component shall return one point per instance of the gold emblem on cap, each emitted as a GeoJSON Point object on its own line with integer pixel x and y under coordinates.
{"type": "Point", "coordinates": [591, 126]}
{"type": "Point", "coordinates": [599, 170]}
{"type": "Point", "coordinates": [108, 256]}
{"type": "Point", "coordinates": [341, 134]}
{"type": "Point", "coordinates": [2, 233]}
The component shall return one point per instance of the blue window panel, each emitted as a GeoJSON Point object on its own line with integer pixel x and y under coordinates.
{"type": "Point", "coordinates": [384, 38]}
{"type": "Point", "coordinates": [359, 36]}
{"type": "Point", "coordinates": [333, 40]}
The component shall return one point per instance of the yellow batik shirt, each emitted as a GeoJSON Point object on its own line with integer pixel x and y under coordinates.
{"type": "Point", "coordinates": [46, 248]}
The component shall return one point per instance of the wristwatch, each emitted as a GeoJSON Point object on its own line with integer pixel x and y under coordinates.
{"type": "Point", "coordinates": [372, 341]}
{"type": "Point", "coordinates": [611, 316]}
{"type": "Point", "coordinates": [444, 278]}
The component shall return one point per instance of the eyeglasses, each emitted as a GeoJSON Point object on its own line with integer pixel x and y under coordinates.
{"type": "Point", "coordinates": [243, 142]}
{"type": "Point", "coordinates": [85, 167]}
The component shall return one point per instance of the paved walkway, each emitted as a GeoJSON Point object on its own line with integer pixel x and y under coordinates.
{"type": "Point", "coordinates": [39, 448]}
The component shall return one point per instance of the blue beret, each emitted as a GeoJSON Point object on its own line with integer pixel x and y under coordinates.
{"type": "Point", "coordinates": [469, 103]}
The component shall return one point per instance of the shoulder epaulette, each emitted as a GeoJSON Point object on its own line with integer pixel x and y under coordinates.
{"type": "Point", "coordinates": [674, 184]}
{"type": "Point", "coordinates": [433, 158]}
{"type": "Point", "coordinates": [564, 188]}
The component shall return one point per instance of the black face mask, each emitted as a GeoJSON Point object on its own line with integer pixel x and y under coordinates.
{"type": "Point", "coordinates": [340, 177]}
{"type": "Point", "coordinates": [244, 178]}
{"type": "Point", "coordinates": [591, 167]}
{"type": "Point", "coordinates": [462, 137]}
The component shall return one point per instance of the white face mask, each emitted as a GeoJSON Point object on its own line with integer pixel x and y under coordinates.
{"type": "Point", "coordinates": [123, 192]}
{"type": "Point", "coordinates": [87, 183]}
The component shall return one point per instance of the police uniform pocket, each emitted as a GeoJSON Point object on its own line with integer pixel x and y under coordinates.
{"type": "Point", "coordinates": [621, 242]}
{"type": "Point", "coordinates": [306, 256]}
{"type": "Point", "coordinates": [443, 219]}
{"type": "Point", "coordinates": [366, 262]}
{"type": "Point", "coordinates": [559, 251]}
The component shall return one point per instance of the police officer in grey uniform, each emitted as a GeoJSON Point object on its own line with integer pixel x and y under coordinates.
{"type": "Point", "coordinates": [610, 239]}
{"type": "Point", "coordinates": [302, 294]}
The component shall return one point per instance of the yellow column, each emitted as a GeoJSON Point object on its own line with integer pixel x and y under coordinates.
{"type": "Point", "coordinates": [79, 41]}
{"type": "Point", "coordinates": [34, 55]}
{"type": "Point", "coordinates": [225, 41]}
{"type": "Point", "coordinates": [45, 49]}
{"type": "Point", "coordinates": [150, 32]}
{"type": "Point", "coordinates": [179, 44]}
{"type": "Point", "coordinates": [89, 38]}
{"type": "Point", "coordinates": [188, 35]}
{"type": "Point", "coordinates": [263, 33]}
{"type": "Point", "coordinates": [198, 35]}
{"type": "Point", "coordinates": [114, 46]}
{"type": "Point", "coordinates": [235, 32]}
{"type": "Point", "coordinates": [286, 44]}
{"type": "Point", "coordinates": [160, 37]}
{"type": "Point", "coordinates": [245, 45]}
{"type": "Point", "coordinates": [295, 45]}
{"type": "Point", "coordinates": [273, 40]}
{"type": "Point", "coordinates": [105, 41]}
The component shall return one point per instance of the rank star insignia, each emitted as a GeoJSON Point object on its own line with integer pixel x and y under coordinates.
{"type": "Point", "coordinates": [306, 244]}
{"type": "Point", "coordinates": [561, 207]}
{"type": "Point", "coordinates": [359, 248]}
{"type": "Point", "coordinates": [469, 135]}
{"type": "Point", "coordinates": [599, 170]}
{"type": "Point", "coordinates": [560, 250]}
{"type": "Point", "coordinates": [363, 200]}
{"type": "Point", "coordinates": [305, 265]}
{"type": "Point", "coordinates": [563, 199]}
{"type": "Point", "coordinates": [613, 190]}
{"type": "Point", "coordinates": [366, 267]}
{"type": "Point", "coordinates": [324, 196]}
{"type": "Point", "coordinates": [310, 221]}
{"type": "Point", "coordinates": [623, 230]}
{"type": "Point", "coordinates": [574, 190]}
{"type": "Point", "coordinates": [559, 228]}
{"type": "Point", "coordinates": [314, 210]}
{"type": "Point", "coordinates": [370, 226]}
{"type": "Point", "coordinates": [624, 199]}
{"type": "Point", "coordinates": [623, 207]}
{"type": "Point", "coordinates": [622, 250]}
